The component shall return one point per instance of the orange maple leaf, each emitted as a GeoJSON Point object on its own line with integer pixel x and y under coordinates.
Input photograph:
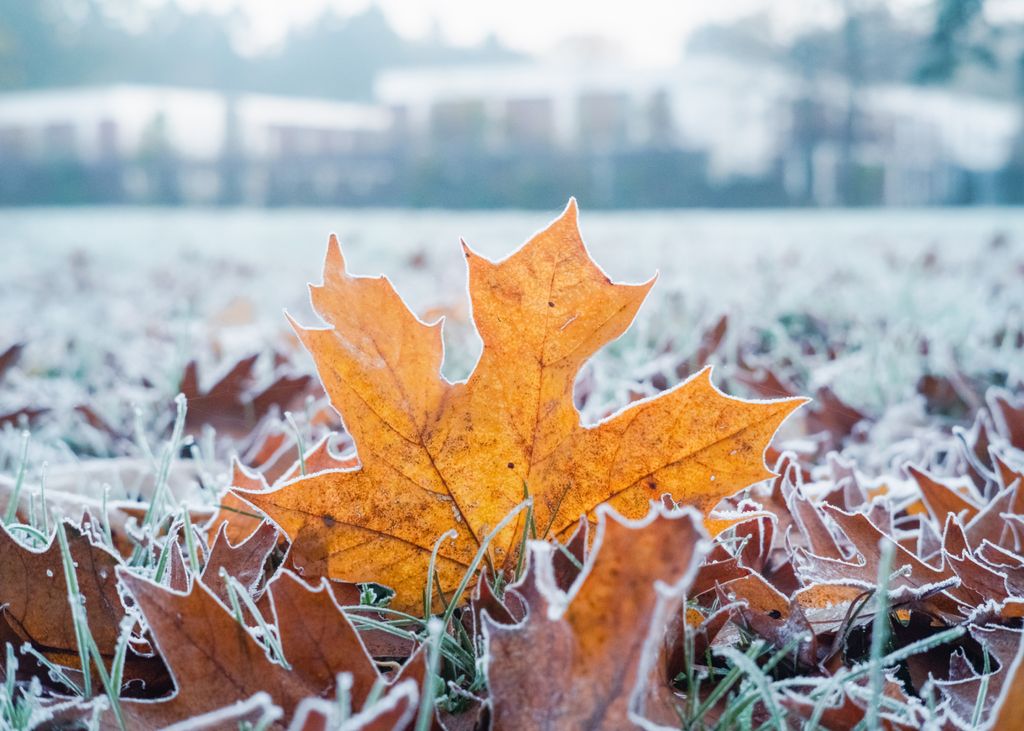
{"type": "Point", "coordinates": [438, 456]}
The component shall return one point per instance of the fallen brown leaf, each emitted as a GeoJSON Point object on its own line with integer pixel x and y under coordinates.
{"type": "Point", "coordinates": [569, 664]}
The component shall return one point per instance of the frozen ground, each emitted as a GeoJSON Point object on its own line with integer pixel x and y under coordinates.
{"type": "Point", "coordinates": [113, 303]}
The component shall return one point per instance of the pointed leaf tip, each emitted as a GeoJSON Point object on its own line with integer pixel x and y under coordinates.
{"type": "Point", "coordinates": [571, 212]}
{"type": "Point", "coordinates": [334, 260]}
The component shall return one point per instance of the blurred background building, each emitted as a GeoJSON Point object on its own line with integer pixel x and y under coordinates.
{"type": "Point", "coordinates": [881, 104]}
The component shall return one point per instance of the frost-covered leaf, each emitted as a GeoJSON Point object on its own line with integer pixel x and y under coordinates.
{"type": "Point", "coordinates": [437, 456]}
{"type": "Point", "coordinates": [570, 664]}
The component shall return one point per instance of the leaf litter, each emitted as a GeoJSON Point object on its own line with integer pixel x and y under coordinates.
{"type": "Point", "coordinates": [399, 550]}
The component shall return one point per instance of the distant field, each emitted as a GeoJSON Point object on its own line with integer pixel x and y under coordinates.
{"type": "Point", "coordinates": [153, 285]}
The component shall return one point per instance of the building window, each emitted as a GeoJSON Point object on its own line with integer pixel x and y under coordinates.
{"type": "Point", "coordinates": [458, 122]}
{"type": "Point", "coordinates": [13, 143]}
{"type": "Point", "coordinates": [59, 140]}
{"type": "Point", "coordinates": [530, 122]}
{"type": "Point", "coordinates": [108, 139]}
{"type": "Point", "coordinates": [603, 119]}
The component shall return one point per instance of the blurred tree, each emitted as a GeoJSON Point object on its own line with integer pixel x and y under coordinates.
{"type": "Point", "coordinates": [960, 34]}
{"type": "Point", "coordinates": [67, 43]}
{"type": "Point", "coordinates": [232, 158]}
{"type": "Point", "coordinates": [29, 55]}
{"type": "Point", "coordinates": [161, 163]}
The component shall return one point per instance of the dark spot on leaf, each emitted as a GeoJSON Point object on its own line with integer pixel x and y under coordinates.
{"type": "Point", "coordinates": [551, 304]}
{"type": "Point", "coordinates": [511, 465]}
{"type": "Point", "coordinates": [652, 484]}
{"type": "Point", "coordinates": [329, 521]}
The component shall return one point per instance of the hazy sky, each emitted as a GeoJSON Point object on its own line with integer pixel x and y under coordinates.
{"type": "Point", "coordinates": [647, 31]}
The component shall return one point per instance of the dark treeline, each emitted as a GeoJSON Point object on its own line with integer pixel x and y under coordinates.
{"type": "Point", "coordinates": [48, 43]}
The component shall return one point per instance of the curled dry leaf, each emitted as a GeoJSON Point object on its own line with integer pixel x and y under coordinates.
{"type": "Point", "coordinates": [941, 499]}
{"type": "Point", "coordinates": [229, 405]}
{"type": "Point", "coordinates": [9, 357]}
{"type": "Point", "coordinates": [913, 579]}
{"type": "Point", "coordinates": [34, 594]}
{"type": "Point", "coordinates": [830, 415]}
{"type": "Point", "coordinates": [1008, 413]}
{"type": "Point", "coordinates": [244, 561]}
{"type": "Point", "coordinates": [569, 664]}
{"type": "Point", "coordinates": [964, 684]}
{"type": "Point", "coordinates": [437, 456]}
{"type": "Point", "coordinates": [213, 659]}
{"type": "Point", "coordinates": [216, 662]}
{"type": "Point", "coordinates": [317, 638]}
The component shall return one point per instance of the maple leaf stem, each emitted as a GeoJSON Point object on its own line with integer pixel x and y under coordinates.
{"type": "Point", "coordinates": [854, 610]}
{"type": "Point", "coordinates": [961, 436]}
